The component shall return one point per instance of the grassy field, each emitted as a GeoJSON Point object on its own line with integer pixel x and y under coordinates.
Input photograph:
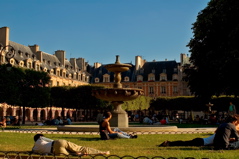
{"type": "Point", "coordinates": [144, 145]}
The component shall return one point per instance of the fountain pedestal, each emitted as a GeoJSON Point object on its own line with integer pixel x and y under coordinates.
{"type": "Point", "coordinates": [119, 116]}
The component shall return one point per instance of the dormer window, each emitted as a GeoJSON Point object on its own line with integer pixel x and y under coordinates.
{"type": "Point", "coordinates": [164, 70]}
{"type": "Point", "coordinates": [141, 71]}
{"type": "Point", "coordinates": [163, 77]}
{"type": "Point", "coordinates": [106, 78]}
{"type": "Point", "coordinates": [20, 53]}
{"type": "Point", "coordinates": [139, 78]}
{"type": "Point", "coordinates": [175, 77]}
{"type": "Point", "coordinates": [21, 64]}
{"type": "Point", "coordinates": [153, 70]}
{"type": "Point", "coordinates": [97, 80]}
{"type": "Point", "coordinates": [52, 71]}
{"type": "Point", "coordinates": [126, 79]}
{"type": "Point", "coordinates": [151, 77]}
{"type": "Point", "coordinates": [29, 65]}
{"type": "Point", "coordinates": [37, 67]}
{"type": "Point", "coordinates": [27, 55]}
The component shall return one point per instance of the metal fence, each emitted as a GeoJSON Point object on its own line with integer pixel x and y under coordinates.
{"type": "Point", "coordinates": [30, 155]}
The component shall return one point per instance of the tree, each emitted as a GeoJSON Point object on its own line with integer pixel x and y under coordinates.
{"type": "Point", "coordinates": [214, 50]}
{"type": "Point", "coordinates": [140, 103]}
{"type": "Point", "coordinates": [10, 82]}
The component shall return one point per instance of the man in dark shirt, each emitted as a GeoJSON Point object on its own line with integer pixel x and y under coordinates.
{"type": "Point", "coordinates": [223, 134]}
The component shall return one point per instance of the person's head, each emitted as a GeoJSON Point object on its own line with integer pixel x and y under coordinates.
{"type": "Point", "coordinates": [231, 119]}
{"type": "Point", "coordinates": [107, 115]}
{"type": "Point", "coordinates": [37, 136]}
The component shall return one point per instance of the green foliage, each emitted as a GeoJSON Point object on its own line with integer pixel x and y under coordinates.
{"type": "Point", "coordinates": [139, 103]}
{"type": "Point", "coordinates": [214, 50]}
{"type": "Point", "coordinates": [23, 87]}
{"type": "Point", "coordinates": [192, 103]}
{"type": "Point", "coordinates": [76, 97]}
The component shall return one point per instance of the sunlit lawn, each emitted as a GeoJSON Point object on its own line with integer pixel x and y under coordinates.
{"type": "Point", "coordinates": [144, 145]}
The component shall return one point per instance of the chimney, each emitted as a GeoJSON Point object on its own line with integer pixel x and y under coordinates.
{"type": "Point", "coordinates": [34, 48]}
{"type": "Point", "coordinates": [61, 54]}
{"type": "Point", "coordinates": [4, 36]}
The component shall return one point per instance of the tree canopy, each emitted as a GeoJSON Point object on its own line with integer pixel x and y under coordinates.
{"type": "Point", "coordinates": [214, 50]}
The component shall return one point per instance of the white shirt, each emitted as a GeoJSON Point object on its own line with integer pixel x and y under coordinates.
{"type": "Point", "coordinates": [209, 140]}
{"type": "Point", "coordinates": [42, 145]}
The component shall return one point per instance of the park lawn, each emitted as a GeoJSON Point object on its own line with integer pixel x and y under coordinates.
{"type": "Point", "coordinates": [144, 145]}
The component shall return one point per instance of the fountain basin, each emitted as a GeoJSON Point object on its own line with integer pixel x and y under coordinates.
{"type": "Point", "coordinates": [117, 67]}
{"type": "Point", "coordinates": [117, 94]}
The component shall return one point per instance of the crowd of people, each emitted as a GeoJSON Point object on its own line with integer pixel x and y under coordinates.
{"type": "Point", "coordinates": [57, 121]}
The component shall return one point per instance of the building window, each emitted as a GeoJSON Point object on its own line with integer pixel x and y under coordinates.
{"type": "Point", "coordinates": [21, 64]}
{"type": "Point", "coordinates": [175, 89]}
{"type": "Point", "coordinates": [126, 78]}
{"type": "Point", "coordinates": [37, 67]}
{"type": "Point", "coordinates": [153, 70]}
{"type": "Point", "coordinates": [163, 77]}
{"type": "Point", "coordinates": [106, 78]}
{"type": "Point", "coordinates": [151, 77]}
{"type": "Point", "coordinates": [29, 65]}
{"type": "Point", "coordinates": [175, 77]}
{"type": "Point", "coordinates": [96, 80]}
{"type": "Point", "coordinates": [163, 89]}
{"type": "Point", "coordinates": [64, 74]}
{"type": "Point", "coordinates": [151, 90]}
{"type": "Point", "coordinates": [139, 78]}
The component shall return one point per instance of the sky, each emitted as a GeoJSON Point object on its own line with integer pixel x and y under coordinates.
{"type": "Point", "coordinates": [98, 30]}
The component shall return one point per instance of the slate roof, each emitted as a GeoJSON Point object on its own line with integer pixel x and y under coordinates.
{"type": "Point", "coordinates": [158, 67]}
{"type": "Point", "coordinates": [24, 49]}
{"type": "Point", "coordinates": [99, 72]}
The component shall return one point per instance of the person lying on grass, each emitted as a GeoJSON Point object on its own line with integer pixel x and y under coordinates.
{"type": "Point", "coordinates": [45, 145]}
{"type": "Point", "coordinates": [194, 142]}
{"type": "Point", "coordinates": [203, 141]}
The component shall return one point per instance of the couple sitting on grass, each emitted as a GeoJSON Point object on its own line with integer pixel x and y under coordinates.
{"type": "Point", "coordinates": [225, 138]}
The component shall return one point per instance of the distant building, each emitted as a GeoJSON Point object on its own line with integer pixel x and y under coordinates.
{"type": "Point", "coordinates": [156, 78]}
{"type": "Point", "coordinates": [61, 71]}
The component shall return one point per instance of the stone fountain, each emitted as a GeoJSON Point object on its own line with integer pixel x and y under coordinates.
{"type": "Point", "coordinates": [117, 95]}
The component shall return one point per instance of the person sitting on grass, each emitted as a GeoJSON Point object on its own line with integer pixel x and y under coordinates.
{"type": "Point", "coordinates": [223, 134]}
{"type": "Point", "coordinates": [117, 133]}
{"type": "Point", "coordinates": [45, 145]}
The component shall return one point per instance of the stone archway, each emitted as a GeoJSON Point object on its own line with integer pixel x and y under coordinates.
{"type": "Point", "coordinates": [9, 111]}
{"type": "Point", "coordinates": [34, 115]}
{"type": "Point", "coordinates": [43, 115]}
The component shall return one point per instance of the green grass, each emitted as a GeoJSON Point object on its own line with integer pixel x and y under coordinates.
{"type": "Point", "coordinates": [144, 145]}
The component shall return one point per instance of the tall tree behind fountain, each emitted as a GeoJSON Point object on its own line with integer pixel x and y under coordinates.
{"type": "Point", "coordinates": [117, 95]}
